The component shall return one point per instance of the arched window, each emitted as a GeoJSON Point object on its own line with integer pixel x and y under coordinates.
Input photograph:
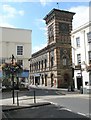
{"type": "Point", "coordinates": [52, 62]}
{"type": "Point", "coordinates": [39, 65]}
{"type": "Point", "coordinates": [64, 61]}
{"type": "Point", "coordinates": [42, 64]}
{"type": "Point", "coordinates": [45, 63]}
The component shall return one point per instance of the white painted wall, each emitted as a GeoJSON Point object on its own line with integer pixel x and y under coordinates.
{"type": "Point", "coordinates": [83, 50]}
{"type": "Point", "coordinates": [11, 37]}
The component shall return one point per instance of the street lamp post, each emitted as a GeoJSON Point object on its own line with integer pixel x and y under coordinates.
{"type": "Point", "coordinates": [81, 79]}
{"type": "Point", "coordinates": [13, 81]}
{"type": "Point", "coordinates": [82, 68]}
{"type": "Point", "coordinates": [11, 70]}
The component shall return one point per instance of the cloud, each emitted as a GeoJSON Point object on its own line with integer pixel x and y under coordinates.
{"type": "Point", "coordinates": [37, 48]}
{"type": "Point", "coordinates": [40, 20]}
{"type": "Point", "coordinates": [7, 25]}
{"type": "Point", "coordinates": [40, 23]}
{"type": "Point", "coordinates": [10, 11]}
{"type": "Point", "coordinates": [45, 2]}
{"type": "Point", "coordinates": [7, 13]}
{"type": "Point", "coordinates": [21, 12]}
{"type": "Point", "coordinates": [42, 26]}
{"type": "Point", "coordinates": [81, 17]}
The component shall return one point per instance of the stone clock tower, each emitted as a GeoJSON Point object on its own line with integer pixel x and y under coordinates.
{"type": "Point", "coordinates": [59, 25]}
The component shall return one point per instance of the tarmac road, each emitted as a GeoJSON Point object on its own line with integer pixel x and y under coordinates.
{"type": "Point", "coordinates": [53, 96]}
{"type": "Point", "coordinates": [47, 111]}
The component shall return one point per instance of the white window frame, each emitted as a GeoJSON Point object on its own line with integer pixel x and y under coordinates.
{"type": "Point", "coordinates": [16, 50]}
{"type": "Point", "coordinates": [78, 56]}
{"type": "Point", "coordinates": [22, 61]}
{"type": "Point", "coordinates": [89, 54]}
{"type": "Point", "coordinates": [89, 37]}
{"type": "Point", "coordinates": [78, 42]}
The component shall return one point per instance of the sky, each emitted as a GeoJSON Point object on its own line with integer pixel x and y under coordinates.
{"type": "Point", "coordinates": [29, 15]}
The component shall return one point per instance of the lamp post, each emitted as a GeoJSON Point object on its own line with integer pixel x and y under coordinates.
{"type": "Point", "coordinates": [72, 67]}
{"type": "Point", "coordinates": [13, 80]}
{"type": "Point", "coordinates": [12, 74]}
{"type": "Point", "coordinates": [12, 69]}
{"type": "Point", "coordinates": [81, 79]}
{"type": "Point", "coordinates": [82, 68]}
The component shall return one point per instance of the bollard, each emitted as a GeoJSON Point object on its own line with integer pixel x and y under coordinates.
{"type": "Point", "coordinates": [17, 99]}
{"type": "Point", "coordinates": [34, 97]}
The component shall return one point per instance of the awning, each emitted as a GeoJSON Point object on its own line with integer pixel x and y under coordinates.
{"type": "Point", "coordinates": [24, 74]}
{"type": "Point", "coordinates": [37, 75]}
{"type": "Point", "coordinates": [0, 74]}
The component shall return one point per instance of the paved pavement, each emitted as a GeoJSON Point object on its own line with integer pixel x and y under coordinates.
{"type": "Point", "coordinates": [64, 91]}
{"type": "Point", "coordinates": [23, 101]}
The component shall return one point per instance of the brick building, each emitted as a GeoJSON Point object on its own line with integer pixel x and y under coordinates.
{"type": "Point", "coordinates": [51, 66]}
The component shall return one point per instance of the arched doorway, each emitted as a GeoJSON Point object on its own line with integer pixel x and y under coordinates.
{"type": "Point", "coordinates": [66, 80]}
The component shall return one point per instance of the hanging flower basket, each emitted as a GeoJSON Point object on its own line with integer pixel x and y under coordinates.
{"type": "Point", "coordinates": [9, 69]}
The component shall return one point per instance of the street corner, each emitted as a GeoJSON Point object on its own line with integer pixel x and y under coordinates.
{"type": "Point", "coordinates": [16, 107]}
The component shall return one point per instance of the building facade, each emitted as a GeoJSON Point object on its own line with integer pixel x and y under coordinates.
{"type": "Point", "coordinates": [81, 55]}
{"type": "Point", "coordinates": [51, 66]}
{"type": "Point", "coordinates": [17, 42]}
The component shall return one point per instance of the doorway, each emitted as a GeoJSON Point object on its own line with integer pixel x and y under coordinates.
{"type": "Point", "coordinates": [45, 80]}
{"type": "Point", "coordinates": [79, 83]}
{"type": "Point", "coordinates": [52, 80]}
{"type": "Point", "coordinates": [37, 80]}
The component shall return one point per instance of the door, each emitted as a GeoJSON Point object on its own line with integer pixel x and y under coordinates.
{"type": "Point", "coordinates": [79, 83]}
{"type": "Point", "coordinates": [37, 80]}
{"type": "Point", "coordinates": [45, 80]}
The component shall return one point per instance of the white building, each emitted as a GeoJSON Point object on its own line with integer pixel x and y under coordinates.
{"type": "Point", "coordinates": [81, 55]}
{"type": "Point", "coordinates": [17, 42]}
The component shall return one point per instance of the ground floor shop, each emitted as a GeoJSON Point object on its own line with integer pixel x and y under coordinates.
{"type": "Point", "coordinates": [58, 79]}
{"type": "Point", "coordinates": [44, 79]}
{"type": "Point", "coordinates": [82, 79]}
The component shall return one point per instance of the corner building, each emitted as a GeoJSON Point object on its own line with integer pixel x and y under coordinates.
{"type": "Point", "coordinates": [51, 66]}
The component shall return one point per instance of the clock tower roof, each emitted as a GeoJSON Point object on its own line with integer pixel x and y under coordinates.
{"type": "Point", "coordinates": [55, 11]}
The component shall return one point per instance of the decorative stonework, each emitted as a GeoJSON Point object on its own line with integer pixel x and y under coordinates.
{"type": "Point", "coordinates": [58, 50]}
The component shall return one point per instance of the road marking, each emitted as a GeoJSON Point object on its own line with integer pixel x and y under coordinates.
{"type": "Point", "coordinates": [53, 103]}
{"type": "Point", "coordinates": [81, 113]}
{"type": "Point", "coordinates": [65, 109]}
{"type": "Point", "coordinates": [61, 108]}
{"type": "Point", "coordinates": [86, 115]}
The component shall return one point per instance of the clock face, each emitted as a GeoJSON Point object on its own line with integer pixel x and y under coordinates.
{"type": "Point", "coordinates": [64, 27]}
